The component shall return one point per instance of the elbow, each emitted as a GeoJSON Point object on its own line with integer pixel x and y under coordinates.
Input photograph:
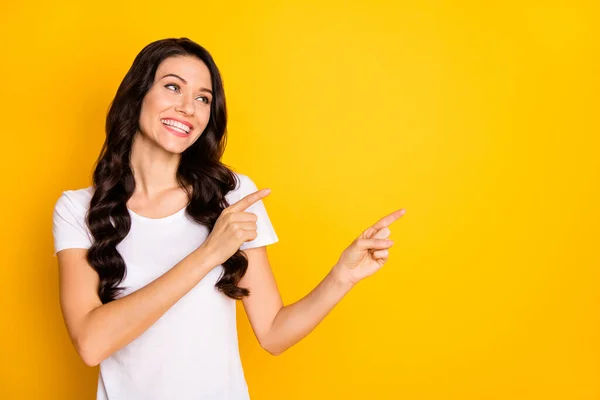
{"type": "Point", "coordinates": [87, 353]}
{"type": "Point", "coordinates": [274, 352]}
{"type": "Point", "coordinates": [271, 349]}
{"type": "Point", "coordinates": [89, 361]}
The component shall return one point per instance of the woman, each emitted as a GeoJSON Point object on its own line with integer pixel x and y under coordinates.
{"type": "Point", "coordinates": [154, 254]}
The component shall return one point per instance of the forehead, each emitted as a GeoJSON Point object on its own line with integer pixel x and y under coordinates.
{"type": "Point", "coordinates": [192, 69]}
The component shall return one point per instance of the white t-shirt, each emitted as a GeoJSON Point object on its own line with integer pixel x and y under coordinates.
{"type": "Point", "coordinates": [191, 352]}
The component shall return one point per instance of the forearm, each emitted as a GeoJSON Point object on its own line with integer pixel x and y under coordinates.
{"type": "Point", "coordinates": [112, 326]}
{"type": "Point", "coordinates": [294, 321]}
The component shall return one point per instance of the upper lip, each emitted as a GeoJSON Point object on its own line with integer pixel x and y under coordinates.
{"type": "Point", "coordinates": [183, 122]}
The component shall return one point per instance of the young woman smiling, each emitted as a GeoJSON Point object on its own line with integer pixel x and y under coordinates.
{"type": "Point", "coordinates": [153, 255]}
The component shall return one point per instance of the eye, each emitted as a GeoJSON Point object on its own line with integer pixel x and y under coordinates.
{"type": "Point", "coordinates": [172, 84]}
{"type": "Point", "coordinates": [205, 99]}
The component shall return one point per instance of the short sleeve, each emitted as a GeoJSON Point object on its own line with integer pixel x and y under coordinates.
{"type": "Point", "coordinates": [68, 225]}
{"type": "Point", "coordinates": [264, 228]}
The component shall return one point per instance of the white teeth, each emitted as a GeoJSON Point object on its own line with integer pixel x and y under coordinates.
{"type": "Point", "coordinates": [175, 124]}
{"type": "Point", "coordinates": [177, 129]}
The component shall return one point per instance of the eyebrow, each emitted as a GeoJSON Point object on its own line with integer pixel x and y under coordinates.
{"type": "Point", "coordinates": [184, 81]}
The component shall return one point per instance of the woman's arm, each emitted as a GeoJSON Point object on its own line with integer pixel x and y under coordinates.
{"type": "Point", "coordinates": [278, 327]}
{"type": "Point", "coordinates": [97, 330]}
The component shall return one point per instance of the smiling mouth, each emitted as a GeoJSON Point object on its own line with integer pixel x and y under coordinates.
{"type": "Point", "coordinates": [176, 131]}
{"type": "Point", "coordinates": [176, 126]}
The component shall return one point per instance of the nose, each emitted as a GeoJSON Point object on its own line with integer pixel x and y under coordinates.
{"type": "Point", "coordinates": [186, 105]}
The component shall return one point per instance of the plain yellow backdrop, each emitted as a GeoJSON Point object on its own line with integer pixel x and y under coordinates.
{"type": "Point", "coordinates": [479, 118]}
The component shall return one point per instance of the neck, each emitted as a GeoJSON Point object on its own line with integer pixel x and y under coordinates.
{"type": "Point", "coordinates": [154, 169]}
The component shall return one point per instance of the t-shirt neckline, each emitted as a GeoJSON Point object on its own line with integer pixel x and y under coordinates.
{"type": "Point", "coordinates": [157, 220]}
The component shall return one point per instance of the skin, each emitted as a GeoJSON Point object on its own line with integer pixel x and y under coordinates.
{"type": "Point", "coordinates": [97, 330]}
{"type": "Point", "coordinates": [156, 151]}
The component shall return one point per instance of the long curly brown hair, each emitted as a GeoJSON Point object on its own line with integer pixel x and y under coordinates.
{"type": "Point", "coordinates": [200, 172]}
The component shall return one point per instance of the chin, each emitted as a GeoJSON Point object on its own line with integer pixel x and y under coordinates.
{"type": "Point", "coordinates": [177, 146]}
{"type": "Point", "coordinates": [175, 149]}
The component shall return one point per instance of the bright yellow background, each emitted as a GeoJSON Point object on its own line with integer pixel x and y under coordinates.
{"type": "Point", "coordinates": [481, 120]}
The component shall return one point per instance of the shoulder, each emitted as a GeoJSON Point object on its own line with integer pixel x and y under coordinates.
{"type": "Point", "coordinates": [244, 185]}
{"type": "Point", "coordinates": [76, 200]}
{"type": "Point", "coordinates": [243, 181]}
{"type": "Point", "coordinates": [68, 222]}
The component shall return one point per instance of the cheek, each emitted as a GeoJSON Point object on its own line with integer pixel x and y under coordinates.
{"type": "Point", "coordinates": [158, 104]}
{"type": "Point", "coordinates": [155, 102]}
{"type": "Point", "coordinates": [203, 116]}
{"type": "Point", "coordinates": [152, 108]}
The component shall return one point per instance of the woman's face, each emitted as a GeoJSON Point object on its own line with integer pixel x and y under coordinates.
{"type": "Point", "coordinates": [181, 94]}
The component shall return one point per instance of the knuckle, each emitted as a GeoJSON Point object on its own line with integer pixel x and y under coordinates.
{"type": "Point", "coordinates": [251, 216]}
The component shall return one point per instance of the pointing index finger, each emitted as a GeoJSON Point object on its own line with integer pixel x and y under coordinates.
{"type": "Point", "coordinates": [388, 219]}
{"type": "Point", "coordinates": [247, 201]}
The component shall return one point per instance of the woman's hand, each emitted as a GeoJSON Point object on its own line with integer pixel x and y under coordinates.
{"type": "Point", "coordinates": [232, 229]}
{"type": "Point", "coordinates": [367, 253]}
